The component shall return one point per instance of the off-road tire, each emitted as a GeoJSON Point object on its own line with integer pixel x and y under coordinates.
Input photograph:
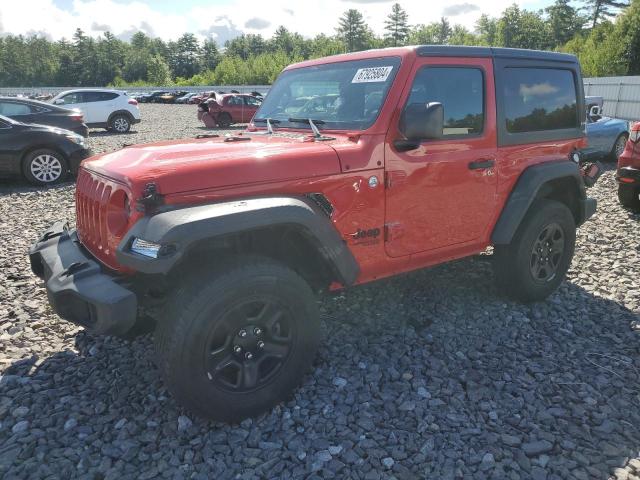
{"type": "Point", "coordinates": [629, 196]}
{"type": "Point", "coordinates": [202, 306]}
{"type": "Point", "coordinates": [120, 123]}
{"type": "Point", "coordinates": [514, 263]}
{"type": "Point", "coordinates": [618, 146]}
{"type": "Point", "coordinates": [56, 172]}
{"type": "Point", "coordinates": [224, 120]}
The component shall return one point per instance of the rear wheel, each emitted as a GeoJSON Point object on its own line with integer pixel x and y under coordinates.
{"type": "Point", "coordinates": [224, 120]}
{"type": "Point", "coordinates": [536, 261]}
{"type": "Point", "coordinates": [619, 146]}
{"type": "Point", "coordinates": [120, 124]}
{"type": "Point", "coordinates": [45, 167]}
{"type": "Point", "coordinates": [629, 196]}
{"type": "Point", "coordinates": [234, 343]}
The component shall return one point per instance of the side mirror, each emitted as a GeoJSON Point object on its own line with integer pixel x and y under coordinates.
{"type": "Point", "coordinates": [58, 101]}
{"type": "Point", "coordinates": [422, 121]}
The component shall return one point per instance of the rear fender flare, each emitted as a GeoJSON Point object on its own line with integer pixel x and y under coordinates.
{"type": "Point", "coordinates": [525, 192]}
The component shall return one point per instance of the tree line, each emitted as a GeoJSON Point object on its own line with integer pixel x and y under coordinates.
{"type": "Point", "coordinates": [604, 34]}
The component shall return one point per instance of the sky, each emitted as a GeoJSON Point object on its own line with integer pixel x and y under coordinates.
{"type": "Point", "coordinates": [225, 19]}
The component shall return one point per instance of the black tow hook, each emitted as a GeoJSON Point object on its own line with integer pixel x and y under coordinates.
{"type": "Point", "coordinates": [74, 268]}
{"type": "Point", "coordinates": [51, 234]}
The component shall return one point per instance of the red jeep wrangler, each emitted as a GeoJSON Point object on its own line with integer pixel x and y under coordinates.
{"type": "Point", "coordinates": [425, 155]}
{"type": "Point", "coordinates": [629, 171]}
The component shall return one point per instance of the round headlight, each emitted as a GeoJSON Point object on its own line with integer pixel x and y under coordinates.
{"type": "Point", "coordinates": [118, 212]}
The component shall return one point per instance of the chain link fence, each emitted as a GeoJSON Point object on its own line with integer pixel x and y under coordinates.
{"type": "Point", "coordinates": [621, 95]}
{"type": "Point", "coordinates": [26, 91]}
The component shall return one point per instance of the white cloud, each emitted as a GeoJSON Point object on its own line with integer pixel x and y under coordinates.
{"type": "Point", "coordinates": [220, 21]}
{"type": "Point", "coordinates": [537, 89]}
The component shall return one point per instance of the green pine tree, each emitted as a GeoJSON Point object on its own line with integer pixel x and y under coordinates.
{"type": "Point", "coordinates": [397, 26]}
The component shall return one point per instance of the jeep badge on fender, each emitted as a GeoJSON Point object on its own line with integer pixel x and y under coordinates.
{"type": "Point", "coordinates": [226, 244]}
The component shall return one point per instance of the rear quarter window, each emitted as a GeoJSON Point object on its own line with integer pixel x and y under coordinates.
{"type": "Point", "coordinates": [10, 108]}
{"type": "Point", "coordinates": [539, 99]}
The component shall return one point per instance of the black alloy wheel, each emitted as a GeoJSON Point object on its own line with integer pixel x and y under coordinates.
{"type": "Point", "coordinates": [535, 263]}
{"type": "Point", "coordinates": [249, 344]}
{"type": "Point", "coordinates": [237, 336]}
{"type": "Point", "coordinates": [546, 253]}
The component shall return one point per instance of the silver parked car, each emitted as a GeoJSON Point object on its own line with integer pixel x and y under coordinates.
{"type": "Point", "coordinates": [607, 136]}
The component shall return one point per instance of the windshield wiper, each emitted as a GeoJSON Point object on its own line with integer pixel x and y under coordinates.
{"type": "Point", "coordinates": [312, 123]}
{"type": "Point", "coordinates": [269, 121]}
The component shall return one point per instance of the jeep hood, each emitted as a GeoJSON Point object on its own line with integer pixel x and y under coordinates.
{"type": "Point", "coordinates": [197, 164]}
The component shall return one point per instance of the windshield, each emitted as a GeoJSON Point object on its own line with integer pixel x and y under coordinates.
{"type": "Point", "coordinates": [339, 96]}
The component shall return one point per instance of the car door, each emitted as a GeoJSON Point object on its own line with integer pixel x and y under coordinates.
{"type": "Point", "coordinates": [443, 193]}
{"type": "Point", "coordinates": [10, 144]}
{"type": "Point", "coordinates": [105, 104]}
{"type": "Point", "coordinates": [78, 101]}
{"type": "Point", "coordinates": [97, 107]}
{"type": "Point", "coordinates": [251, 105]}
{"type": "Point", "coordinates": [598, 134]}
{"type": "Point", "coordinates": [234, 106]}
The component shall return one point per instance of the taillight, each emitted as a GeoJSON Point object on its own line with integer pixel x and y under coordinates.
{"type": "Point", "coordinates": [77, 118]}
{"type": "Point", "coordinates": [133, 101]}
{"type": "Point", "coordinates": [634, 135]}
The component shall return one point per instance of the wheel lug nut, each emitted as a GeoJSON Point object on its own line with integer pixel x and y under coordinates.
{"type": "Point", "coordinates": [248, 355]}
{"type": "Point", "coordinates": [260, 344]}
{"type": "Point", "coordinates": [242, 333]}
{"type": "Point", "coordinates": [257, 330]}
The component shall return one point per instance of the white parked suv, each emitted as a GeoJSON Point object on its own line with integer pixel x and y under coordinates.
{"type": "Point", "coordinates": [110, 109]}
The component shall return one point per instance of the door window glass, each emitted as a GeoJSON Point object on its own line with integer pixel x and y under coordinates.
{"type": "Point", "coordinates": [460, 90]}
{"type": "Point", "coordinates": [9, 109]}
{"type": "Point", "coordinates": [252, 102]}
{"type": "Point", "coordinates": [538, 99]}
{"type": "Point", "coordinates": [71, 98]}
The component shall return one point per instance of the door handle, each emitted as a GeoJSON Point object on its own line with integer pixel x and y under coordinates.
{"type": "Point", "coordinates": [482, 164]}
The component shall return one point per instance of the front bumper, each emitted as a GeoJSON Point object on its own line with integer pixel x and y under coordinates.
{"type": "Point", "coordinates": [81, 130]}
{"type": "Point", "coordinates": [77, 288]}
{"type": "Point", "coordinates": [628, 176]}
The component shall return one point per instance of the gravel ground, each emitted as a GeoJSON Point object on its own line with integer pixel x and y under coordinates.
{"type": "Point", "coordinates": [428, 375]}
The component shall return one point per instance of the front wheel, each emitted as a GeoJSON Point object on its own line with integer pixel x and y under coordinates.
{"type": "Point", "coordinates": [45, 167]}
{"type": "Point", "coordinates": [224, 120]}
{"type": "Point", "coordinates": [536, 261]}
{"type": "Point", "coordinates": [629, 196]}
{"type": "Point", "coordinates": [234, 343]}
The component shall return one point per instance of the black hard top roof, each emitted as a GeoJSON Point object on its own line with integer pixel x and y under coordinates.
{"type": "Point", "coordinates": [497, 52]}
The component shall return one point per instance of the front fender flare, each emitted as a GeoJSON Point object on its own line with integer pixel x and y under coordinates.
{"type": "Point", "coordinates": [184, 227]}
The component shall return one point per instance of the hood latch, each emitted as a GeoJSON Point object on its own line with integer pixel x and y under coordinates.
{"type": "Point", "coordinates": [150, 199]}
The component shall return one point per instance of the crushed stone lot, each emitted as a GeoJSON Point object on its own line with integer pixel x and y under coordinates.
{"type": "Point", "coordinates": [429, 375]}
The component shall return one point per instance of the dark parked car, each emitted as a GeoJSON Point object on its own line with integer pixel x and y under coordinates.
{"type": "Point", "coordinates": [170, 97]}
{"type": "Point", "coordinates": [153, 97]}
{"type": "Point", "coordinates": [230, 108]}
{"type": "Point", "coordinates": [32, 111]}
{"type": "Point", "coordinates": [43, 155]}
{"type": "Point", "coordinates": [185, 98]}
